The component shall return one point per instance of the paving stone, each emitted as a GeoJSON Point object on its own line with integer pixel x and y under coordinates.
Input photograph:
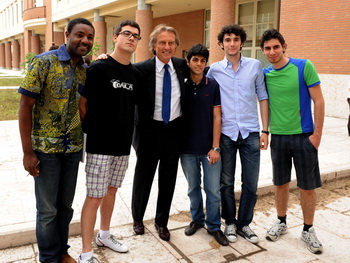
{"type": "Point", "coordinates": [331, 219]}
{"type": "Point", "coordinates": [340, 205]}
{"type": "Point", "coordinates": [152, 250]}
{"type": "Point", "coordinates": [23, 253]}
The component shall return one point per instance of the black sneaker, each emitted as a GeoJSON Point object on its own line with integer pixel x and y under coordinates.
{"type": "Point", "coordinates": [248, 234]}
{"type": "Point", "coordinates": [219, 237]}
{"type": "Point", "coordinates": [192, 228]}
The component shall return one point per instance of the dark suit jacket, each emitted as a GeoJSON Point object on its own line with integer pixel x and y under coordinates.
{"type": "Point", "coordinates": [146, 102]}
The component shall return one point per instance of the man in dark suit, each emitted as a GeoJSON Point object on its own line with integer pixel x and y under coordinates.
{"type": "Point", "coordinates": [157, 137]}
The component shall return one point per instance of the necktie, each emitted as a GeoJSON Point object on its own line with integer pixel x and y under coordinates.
{"type": "Point", "coordinates": [166, 95]}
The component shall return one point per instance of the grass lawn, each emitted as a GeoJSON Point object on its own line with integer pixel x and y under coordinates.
{"type": "Point", "coordinates": [10, 81]}
{"type": "Point", "coordinates": [9, 103]}
{"type": "Point", "coordinates": [9, 98]}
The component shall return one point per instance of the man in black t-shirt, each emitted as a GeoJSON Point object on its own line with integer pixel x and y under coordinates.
{"type": "Point", "coordinates": [107, 108]}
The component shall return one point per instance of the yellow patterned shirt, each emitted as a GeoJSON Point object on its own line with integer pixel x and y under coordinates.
{"type": "Point", "coordinates": [53, 82]}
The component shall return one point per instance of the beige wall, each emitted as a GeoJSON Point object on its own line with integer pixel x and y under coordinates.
{"type": "Point", "coordinates": [335, 92]}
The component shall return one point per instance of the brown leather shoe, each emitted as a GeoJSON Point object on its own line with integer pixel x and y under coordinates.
{"type": "Point", "coordinates": [139, 228]}
{"type": "Point", "coordinates": [66, 258]}
{"type": "Point", "coordinates": [163, 232]}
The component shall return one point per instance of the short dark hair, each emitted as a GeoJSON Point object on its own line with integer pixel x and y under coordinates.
{"type": "Point", "coordinates": [76, 21]}
{"type": "Point", "coordinates": [53, 47]}
{"type": "Point", "coordinates": [198, 50]}
{"type": "Point", "coordinates": [128, 22]}
{"type": "Point", "coordinates": [271, 34]}
{"type": "Point", "coordinates": [232, 29]}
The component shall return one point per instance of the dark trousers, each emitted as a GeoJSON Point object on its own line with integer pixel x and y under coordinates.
{"type": "Point", "coordinates": [249, 152]}
{"type": "Point", "coordinates": [54, 192]}
{"type": "Point", "coordinates": [158, 145]}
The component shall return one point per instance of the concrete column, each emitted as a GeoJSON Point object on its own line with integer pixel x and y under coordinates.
{"type": "Point", "coordinates": [222, 13]}
{"type": "Point", "coordinates": [144, 17]}
{"type": "Point", "coordinates": [49, 25]}
{"type": "Point", "coordinates": [100, 33]}
{"type": "Point", "coordinates": [65, 30]}
{"type": "Point", "coordinates": [15, 54]}
{"type": "Point", "coordinates": [8, 55]}
{"type": "Point", "coordinates": [27, 36]}
{"type": "Point", "coordinates": [22, 52]}
{"type": "Point", "coordinates": [36, 44]}
{"type": "Point", "coordinates": [58, 38]}
{"type": "Point", "coordinates": [2, 55]}
{"type": "Point", "coordinates": [58, 35]}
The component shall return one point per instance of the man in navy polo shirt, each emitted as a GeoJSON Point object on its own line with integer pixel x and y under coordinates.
{"type": "Point", "coordinates": [202, 137]}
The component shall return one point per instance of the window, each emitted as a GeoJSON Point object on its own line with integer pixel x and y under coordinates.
{"type": "Point", "coordinates": [38, 3]}
{"type": "Point", "coordinates": [207, 28]}
{"type": "Point", "coordinates": [255, 16]}
{"type": "Point", "coordinates": [13, 14]}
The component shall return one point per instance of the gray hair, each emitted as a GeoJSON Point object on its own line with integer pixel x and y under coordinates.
{"type": "Point", "coordinates": [159, 29]}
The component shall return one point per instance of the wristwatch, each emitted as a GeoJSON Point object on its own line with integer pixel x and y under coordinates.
{"type": "Point", "coordinates": [267, 132]}
{"type": "Point", "coordinates": [217, 149]}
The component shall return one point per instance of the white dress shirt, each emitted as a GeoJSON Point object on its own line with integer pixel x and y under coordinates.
{"type": "Point", "coordinates": [175, 110]}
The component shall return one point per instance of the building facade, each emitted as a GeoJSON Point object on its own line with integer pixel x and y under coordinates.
{"type": "Point", "coordinates": [314, 29]}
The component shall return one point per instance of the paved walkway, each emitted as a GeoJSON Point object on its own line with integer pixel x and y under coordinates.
{"type": "Point", "coordinates": [17, 221]}
{"type": "Point", "coordinates": [11, 73]}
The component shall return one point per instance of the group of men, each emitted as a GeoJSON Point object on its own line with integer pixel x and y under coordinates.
{"type": "Point", "coordinates": [168, 109]}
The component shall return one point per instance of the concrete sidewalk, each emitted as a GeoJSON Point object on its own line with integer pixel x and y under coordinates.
{"type": "Point", "coordinates": [17, 221]}
{"type": "Point", "coordinates": [11, 73]}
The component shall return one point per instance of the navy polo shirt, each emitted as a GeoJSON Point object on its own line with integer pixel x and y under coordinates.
{"type": "Point", "coordinates": [200, 101]}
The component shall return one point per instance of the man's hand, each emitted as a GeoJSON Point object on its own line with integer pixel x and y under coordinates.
{"type": "Point", "coordinates": [103, 56]}
{"type": "Point", "coordinates": [213, 157]}
{"type": "Point", "coordinates": [264, 141]}
{"type": "Point", "coordinates": [315, 140]}
{"type": "Point", "coordinates": [31, 163]}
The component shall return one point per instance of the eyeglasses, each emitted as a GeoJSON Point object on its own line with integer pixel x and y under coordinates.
{"type": "Point", "coordinates": [128, 34]}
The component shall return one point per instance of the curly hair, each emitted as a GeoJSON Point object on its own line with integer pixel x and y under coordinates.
{"type": "Point", "coordinates": [232, 29]}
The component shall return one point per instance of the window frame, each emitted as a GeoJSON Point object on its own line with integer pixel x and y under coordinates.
{"type": "Point", "coordinates": [255, 49]}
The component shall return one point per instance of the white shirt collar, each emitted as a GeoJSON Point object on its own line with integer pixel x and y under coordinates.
{"type": "Point", "coordinates": [160, 64]}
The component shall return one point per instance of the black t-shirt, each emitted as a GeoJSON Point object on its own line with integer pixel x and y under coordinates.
{"type": "Point", "coordinates": [199, 105]}
{"type": "Point", "coordinates": [111, 92]}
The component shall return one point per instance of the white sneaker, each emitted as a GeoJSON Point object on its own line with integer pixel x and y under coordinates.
{"type": "Point", "coordinates": [310, 238]}
{"type": "Point", "coordinates": [230, 233]}
{"type": "Point", "coordinates": [248, 234]}
{"type": "Point", "coordinates": [112, 243]}
{"type": "Point", "coordinates": [278, 229]}
{"type": "Point", "coordinates": [90, 260]}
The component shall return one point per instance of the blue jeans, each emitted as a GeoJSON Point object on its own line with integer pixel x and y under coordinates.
{"type": "Point", "coordinates": [54, 192]}
{"type": "Point", "coordinates": [249, 152]}
{"type": "Point", "coordinates": [191, 165]}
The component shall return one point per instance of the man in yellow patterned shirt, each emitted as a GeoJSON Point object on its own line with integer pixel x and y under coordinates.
{"type": "Point", "coordinates": [51, 134]}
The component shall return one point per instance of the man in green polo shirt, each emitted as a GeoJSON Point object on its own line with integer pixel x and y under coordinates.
{"type": "Point", "coordinates": [292, 84]}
